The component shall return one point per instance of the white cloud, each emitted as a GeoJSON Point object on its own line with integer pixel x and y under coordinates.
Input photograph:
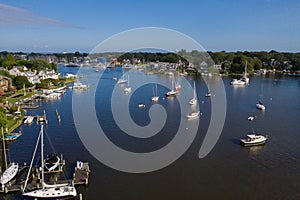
{"type": "Point", "coordinates": [14, 16]}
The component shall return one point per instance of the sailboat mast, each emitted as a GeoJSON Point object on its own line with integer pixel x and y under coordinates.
{"type": "Point", "coordinates": [4, 149]}
{"type": "Point", "coordinates": [42, 154]}
{"type": "Point", "coordinates": [195, 96]}
{"type": "Point", "coordinates": [246, 69]}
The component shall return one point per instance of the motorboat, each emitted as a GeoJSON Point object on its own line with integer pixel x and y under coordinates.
{"type": "Point", "coordinates": [208, 94]}
{"type": "Point", "coordinates": [253, 140]}
{"type": "Point", "coordinates": [260, 106]}
{"type": "Point", "coordinates": [79, 85]}
{"type": "Point", "coordinates": [193, 115]}
{"type": "Point", "coordinates": [171, 93]}
{"type": "Point", "coordinates": [141, 105]}
{"type": "Point", "coordinates": [52, 162]}
{"type": "Point", "coordinates": [127, 89]}
{"type": "Point", "coordinates": [29, 120]}
{"type": "Point", "coordinates": [250, 118]}
{"type": "Point", "coordinates": [237, 82]}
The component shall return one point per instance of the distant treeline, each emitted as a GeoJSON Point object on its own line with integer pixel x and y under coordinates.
{"type": "Point", "coordinates": [229, 62]}
{"type": "Point", "coordinates": [8, 61]}
{"type": "Point", "coordinates": [235, 62]}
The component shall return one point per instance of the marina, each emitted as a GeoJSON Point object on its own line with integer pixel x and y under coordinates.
{"type": "Point", "coordinates": [228, 159]}
{"type": "Point", "coordinates": [80, 177]}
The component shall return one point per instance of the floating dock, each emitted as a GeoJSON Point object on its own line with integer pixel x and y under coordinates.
{"type": "Point", "coordinates": [80, 177]}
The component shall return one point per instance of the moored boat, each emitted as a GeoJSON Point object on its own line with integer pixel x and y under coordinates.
{"type": "Point", "coordinates": [193, 115]}
{"type": "Point", "coordinates": [193, 101]}
{"type": "Point", "coordinates": [9, 173]}
{"type": "Point", "coordinates": [260, 106]}
{"type": "Point", "coordinates": [253, 140]}
{"type": "Point", "coordinates": [51, 162]}
{"type": "Point", "coordinates": [28, 120]}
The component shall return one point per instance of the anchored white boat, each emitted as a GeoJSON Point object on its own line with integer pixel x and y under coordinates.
{"type": "Point", "coordinates": [128, 88]}
{"type": "Point", "coordinates": [193, 101]}
{"type": "Point", "coordinates": [48, 191]}
{"type": "Point", "coordinates": [260, 106]}
{"type": "Point", "coordinates": [193, 115]}
{"type": "Point", "coordinates": [9, 173]}
{"type": "Point", "coordinates": [250, 118]}
{"type": "Point", "coordinates": [122, 80]}
{"type": "Point", "coordinates": [208, 94]}
{"type": "Point", "coordinates": [29, 120]}
{"type": "Point", "coordinates": [253, 140]}
{"type": "Point", "coordinates": [79, 85]}
{"type": "Point", "coordinates": [141, 105]}
{"type": "Point", "coordinates": [171, 93]}
{"type": "Point", "coordinates": [155, 97]}
{"type": "Point", "coordinates": [244, 80]}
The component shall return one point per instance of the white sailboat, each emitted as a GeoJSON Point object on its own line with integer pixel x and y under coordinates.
{"type": "Point", "coordinates": [244, 80]}
{"type": "Point", "coordinates": [122, 80]}
{"type": "Point", "coordinates": [155, 96]}
{"type": "Point", "coordinates": [195, 113]}
{"type": "Point", "coordinates": [193, 101]}
{"type": "Point", "coordinates": [47, 191]}
{"type": "Point", "coordinates": [11, 170]}
{"type": "Point", "coordinates": [128, 88]}
{"type": "Point", "coordinates": [171, 93]}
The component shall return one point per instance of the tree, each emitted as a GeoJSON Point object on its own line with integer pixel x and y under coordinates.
{"type": "Point", "coordinates": [19, 82]}
{"type": "Point", "coordinates": [9, 61]}
{"type": "Point", "coordinates": [3, 120]}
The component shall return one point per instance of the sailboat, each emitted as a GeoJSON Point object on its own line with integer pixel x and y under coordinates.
{"type": "Point", "coordinates": [155, 97]}
{"type": "Point", "coordinates": [194, 114]}
{"type": "Point", "coordinates": [122, 80]}
{"type": "Point", "coordinates": [47, 191]}
{"type": "Point", "coordinates": [128, 88]}
{"type": "Point", "coordinates": [177, 85]}
{"type": "Point", "coordinates": [11, 170]}
{"type": "Point", "coordinates": [244, 80]}
{"type": "Point", "coordinates": [172, 92]}
{"type": "Point", "coordinates": [193, 101]}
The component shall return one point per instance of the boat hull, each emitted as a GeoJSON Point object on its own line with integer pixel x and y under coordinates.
{"type": "Point", "coordinates": [246, 144]}
{"type": "Point", "coordinates": [52, 193]}
{"type": "Point", "coordinates": [9, 173]}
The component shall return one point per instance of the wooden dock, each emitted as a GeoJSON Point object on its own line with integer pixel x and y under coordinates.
{"type": "Point", "coordinates": [80, 177]}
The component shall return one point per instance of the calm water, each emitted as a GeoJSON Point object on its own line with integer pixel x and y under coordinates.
{"type": "Point", "coordinates": [228, 172]}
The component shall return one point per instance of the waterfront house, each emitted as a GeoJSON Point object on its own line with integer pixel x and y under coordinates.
{"type": "Point", "coordinates": [5, 84]}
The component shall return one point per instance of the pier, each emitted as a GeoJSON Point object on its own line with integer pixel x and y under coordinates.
{"type": "Point", "coordinates": [80, 177]}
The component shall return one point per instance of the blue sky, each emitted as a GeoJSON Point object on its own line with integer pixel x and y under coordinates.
{"type": "Point", "coordinates": [68, 26]}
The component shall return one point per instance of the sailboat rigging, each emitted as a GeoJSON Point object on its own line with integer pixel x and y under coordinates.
{"type": "Point", "coordinates": [122, 80]}
{"type": "Point", "coordinates": [193, 101]}
{"type": "Point", "coordinates": [171, 93]}
{"type": "Point", "coordinates": [155, 96]}
{"type": "Point", "coordinates": [47, 190]}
